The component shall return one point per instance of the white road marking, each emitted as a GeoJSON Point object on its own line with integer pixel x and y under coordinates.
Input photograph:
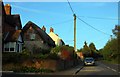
{"type": "Point", "coordinates": [111, 69]}
{"type": "Point", "coordinates": [114, 70]}
{"type": "Point", "coordinates": [108, 67]}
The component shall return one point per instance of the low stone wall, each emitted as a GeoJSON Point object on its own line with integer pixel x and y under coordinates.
{"type": "Point", "coordinates": [54, 65]}
{"type": "Point", "coordinates": [46, 64]}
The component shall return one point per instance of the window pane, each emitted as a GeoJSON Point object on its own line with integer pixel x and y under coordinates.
{"type": "Point", "coordinates": [11, 49]}
{"type": "Point", "coordinates": [7, 45]}
{"type": "Point", "coordinates": [11, 44]}
{"type": "Point", "coordinates": [32, 36]}
{"type": "Point", "coordinates": [6, 49]}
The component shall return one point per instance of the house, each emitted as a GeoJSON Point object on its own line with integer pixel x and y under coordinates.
{"type": "Point", "coordinates": [56, 38]}
{"type": "Point", "coordinates": [11, 30]}
{"type": "Point", "coordinates": [36, 39]}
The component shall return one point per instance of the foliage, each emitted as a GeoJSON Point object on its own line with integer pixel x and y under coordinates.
{"type": "Point", "coordinates": [56, 50]}
{"type": "Point", "coordinates": [116, 31]}
{"type": "Point", "coordinates": [79, 50]}
{"type": "Point", "coordinates": [26, 52]}
{"type": "Point", "coordinates": [92, 47]}
{"type": "Point", "coordinates": [64, 52]}
{"type": "Point", "coordinates": [89, 51]}
{"type": "Point", "coordinates": [110, 51]}
{"type": "Point", "coordinates": [46, 56]}
{"type": "Point", "coordinates": [85, 49]}
{"type": "Point", "coordinates": [13, 57]}
{"type": "Point", "coordinates": [31, 69]}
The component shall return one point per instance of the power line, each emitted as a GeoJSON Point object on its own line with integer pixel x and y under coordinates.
{"type": "Point", "coordinates": [86, 22]}
{"type": "Point", "coordinates": [71, 7]}
{"type": "Point", "coordinates": [100, 18]}
{"type": "Point", "coordinates": [93, 27]}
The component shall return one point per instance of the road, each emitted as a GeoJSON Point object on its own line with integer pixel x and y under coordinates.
{"type": "Point", "coordinates": [99, 70]}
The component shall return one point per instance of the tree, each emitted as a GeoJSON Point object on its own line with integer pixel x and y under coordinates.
{"type": "Point", "coordinates": [112, 47]}
{"type": "Point", "coordinates": [116, 31]}
{"type": "Point", "coordinates": [86, 49]}
{"type": "Point", "coordinates": [92, 47]}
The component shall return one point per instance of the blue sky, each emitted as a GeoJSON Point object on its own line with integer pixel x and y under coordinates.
{"type": "Point", "coordinates": [59, 16]}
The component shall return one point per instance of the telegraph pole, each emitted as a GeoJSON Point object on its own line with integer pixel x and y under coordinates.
{"type": "Point", "coordinates": [74, 32]}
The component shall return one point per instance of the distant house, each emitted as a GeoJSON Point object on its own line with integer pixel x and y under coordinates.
{"type": "Point", "coordinates": [11, 30]}
{"type": "Point", "coordinates": [56, 38]}
{"type": "Point", "coordinates": [36, 39]}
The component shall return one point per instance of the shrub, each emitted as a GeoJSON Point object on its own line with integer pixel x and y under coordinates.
{"type": "Point", "coordinates": [13, 57]}
{"type": "Point", "coordinates": [46, 56]}
{"type": "Point", "coordinates": [53, 56]}
{"type": "Point", "coordinates": [40, 56]}
{"type": "Point", "coordinates": [64, 52]}
{"type": "Point", "coordinates": [32, 69]}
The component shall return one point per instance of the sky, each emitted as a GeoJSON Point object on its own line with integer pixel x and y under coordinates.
{"type": "Point", "coordinates": [100, 15]}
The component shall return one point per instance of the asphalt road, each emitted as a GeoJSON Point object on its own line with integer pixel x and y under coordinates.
{"type": "Point", "coordinates": [99, 70]}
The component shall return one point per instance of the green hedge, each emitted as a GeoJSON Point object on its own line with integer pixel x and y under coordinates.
{"type": "Point", "coordinates": [32, 69]}
{"type": "Point", "coordinates": [13, 57]}
{"type": "Point", "coordinates": [46, 56]}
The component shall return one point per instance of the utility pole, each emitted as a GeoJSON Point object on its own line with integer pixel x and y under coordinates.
{"type": "Point", "coordinates": [74, 32]}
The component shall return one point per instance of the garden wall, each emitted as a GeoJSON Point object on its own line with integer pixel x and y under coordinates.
{"type": "Point", "coordinates": [54, 65]}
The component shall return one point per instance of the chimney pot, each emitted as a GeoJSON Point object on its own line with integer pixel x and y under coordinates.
{"type": "Point", "coordinates": [7, 9]}
{"type": "Point", "coordinates": [51, 29]}
{"type": "Point", "coordinates": [43, 28]}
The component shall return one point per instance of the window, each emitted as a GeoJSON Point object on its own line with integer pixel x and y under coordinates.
{"type": "Point", "coordinates": [32, 36]}
{"type": "Point", "coordinates": [11, 49]}
{"type": "Point", "coordinates": [7, 47]}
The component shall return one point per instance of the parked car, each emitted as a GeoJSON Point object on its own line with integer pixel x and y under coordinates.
{"type": "Point", "coordinates": [89, 61]}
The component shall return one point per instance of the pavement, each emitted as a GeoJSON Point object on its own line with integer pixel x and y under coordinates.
{"type": "Point", "coordinates": [71, 71]}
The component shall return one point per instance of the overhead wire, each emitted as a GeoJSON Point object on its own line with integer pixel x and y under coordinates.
{"type": "Point", "coordinates": [85, 21]}
{"type": "Point", "coordinates": [100, 18]}
{"type": "Point", "coordinates": [92, 26]}
{"type": "Point", "coordinates": [70, 7]}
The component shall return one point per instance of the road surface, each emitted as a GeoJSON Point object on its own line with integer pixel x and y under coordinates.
{"type": "Point", "coordinates": [100, 70]}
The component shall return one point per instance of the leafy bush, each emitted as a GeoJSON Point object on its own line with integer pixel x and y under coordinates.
{"type": "Point", "coordinates": [46, 56]}
{"type": "Point", "coordinates": [32, 69]}
{"type": "Point", "coordinates": [64, 52]}
{"type": "Point", "coordinates": [53, 56]}
{"type": "Point", "coordinates": [13, 57]}
{"type": "Point", "coordinates": [110, 51]}
{"type": "Point", "coordinates": [26, 52]}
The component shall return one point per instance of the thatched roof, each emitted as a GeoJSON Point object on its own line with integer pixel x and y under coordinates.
{"type": "Point", "coordinates": [44, 36]}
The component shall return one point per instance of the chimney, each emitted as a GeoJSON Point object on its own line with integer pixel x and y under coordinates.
{"type": "Point", "coordinates": [51, 29]}
{"type": "Point", "coordinates": [43, 28]}
{"type": "Point", "coordinates": [7, 9]}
